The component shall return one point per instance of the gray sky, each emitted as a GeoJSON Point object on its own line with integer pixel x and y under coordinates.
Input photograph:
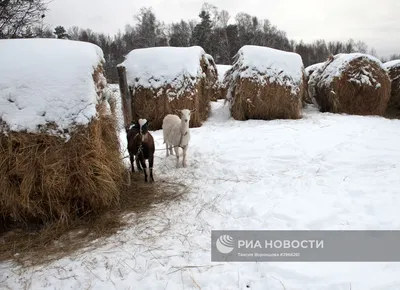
{"type": "Point", "coordinates": [375, 22]}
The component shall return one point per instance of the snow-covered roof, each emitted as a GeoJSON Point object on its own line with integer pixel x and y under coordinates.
{"type": "Point", "coordinates": [47, 80]}
{"type": "Point", "coordinates": [222, 69]}
{"type": "Point", "coordinates": [313, 67]}
{"type": "Point", "coordinates": [339, 64]}
{"type": "Point", "coordinates": [157, 67]}
{"type": "Point", "coordinates": [267, 64]}
{"type": "Point", "coordinates": [392, 64]}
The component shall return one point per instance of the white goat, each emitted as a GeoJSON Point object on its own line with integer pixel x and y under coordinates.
{"type": "Point", "coordinates": [176, 134]}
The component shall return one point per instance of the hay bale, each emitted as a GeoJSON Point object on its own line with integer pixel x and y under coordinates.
{"type": "Point", "coordinates": [308, 71]}
{"type": "Point", "coordinates": [113, 96]}
{"type": "Point", "coordinates": [212, 87]}
{"type": "Point", "coordinates": [352, 83]}
{"type": "Point", "coordinates": [265, 83]}
{"type": "Point", "coordinates": [393, 68]}
{"type": "Point", "coordinates": [161, 79]}
{"type": "Point", "coordinates": [312, 68]}
{"type": "Point", "coordinates": [222, 88]}
{"type": "Point", "coordinates": [58, 140]}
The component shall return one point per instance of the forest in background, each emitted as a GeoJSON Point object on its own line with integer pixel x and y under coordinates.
{"type": "Point", "coordinates": [214, 31]}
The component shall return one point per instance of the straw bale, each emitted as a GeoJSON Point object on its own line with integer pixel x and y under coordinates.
{"type": "Point", "coordinates": [307, 74]}
{"type": "Point", "coordinates": [212, 85]}
{"type": "Point", "coordinates": [393, 68]}
{"type": "Point", "coordinates": [45, 178]}
{"type": "Point", "coordinates": [267, 102]}
{"type": "Point", "coordinates": [222, 85]}
{"type": "Point", "coordinates": [267, 92]}
{"type": "Point", "coordinates": [179, 91]}
{"type": "Point", "coordinates": [351, 83]}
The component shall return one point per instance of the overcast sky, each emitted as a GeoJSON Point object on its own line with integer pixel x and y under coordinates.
{"type": "Point", "coordinates": [375, 22]}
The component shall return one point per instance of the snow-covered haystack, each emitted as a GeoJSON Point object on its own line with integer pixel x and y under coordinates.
{"type": "Point", "coordinates": [59, 147]}
{"type": "Point", "coordinates": [351, 83]}
{"type": "Point", "coordinates": [308, 72]}
{"type": "Point", "coordinates": [265, 83]}
{"type": "Point", "coordinates": [162, 79]}
{"type": "Point", "coordinates": [212, 87]}
{"type": "Point", "coordinates": [222, 89]}
{"type": "Point", "coordinates": [310, 69]}
{"type": "Point", "coordinates": [113, 95]}
{"type": "Point", "coordinates": [393, 68]}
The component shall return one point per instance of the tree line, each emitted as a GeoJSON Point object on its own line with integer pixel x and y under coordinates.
{"type": "Point", "coordinates": [212, 31]}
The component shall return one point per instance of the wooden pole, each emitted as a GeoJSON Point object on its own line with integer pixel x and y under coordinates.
{"type": "Point", "coordinates": [126, 98]}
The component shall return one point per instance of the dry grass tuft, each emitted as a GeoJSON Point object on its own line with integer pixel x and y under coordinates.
{"type": "Point", "coordinates": [40, 244]}
{"type": "Point", "coordinates": [349, 93]}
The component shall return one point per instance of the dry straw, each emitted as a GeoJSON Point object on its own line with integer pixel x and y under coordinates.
{"type": "Point", "coordinates": [308, 72]}
{"type": "Point", "coordinates": [394, 74]}
{"type": "Point", "coordinates": [222, 89]}
{"type": "Point", "coordinates": [212, 85]}
{"type": "Point", "coordinates": [251, 99]}
{"type": "Point", "coordinates": [45, 179]}
{"type": "Point", "coordinates": [154, 105]}
{"type": "Point", "coordinates": [40, 244]}
{"type": "Point", "coordinates": [348, 93]}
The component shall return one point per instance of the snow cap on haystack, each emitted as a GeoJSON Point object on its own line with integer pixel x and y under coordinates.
{"type": "Point", "coordinates": [265, 83]}
{"type": "Point", "coordinates": [311, 68]}
{"type": "Point", "coordinates": [58, 140]}
{"type": "Point", "coordinates": [393, 68]}
{"type": "Point", "coordinates": [51, 83]}
{"type": "Point", "coordinates": [162, 79]}
{"type": "Point", "coordinates": [353, 83]}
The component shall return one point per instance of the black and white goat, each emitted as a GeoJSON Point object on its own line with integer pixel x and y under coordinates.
{"type": "Point", "coordinates": [141, 147]}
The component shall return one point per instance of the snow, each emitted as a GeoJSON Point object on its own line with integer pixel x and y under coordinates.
{"type": "Point", "coordinates": [47, 80]}
{"type": "Point", "coordinates": [155, 68]}
{"type": "Point", "coordinates": [324, 171]}
{"type": "Point", "coordinates": [112, 93]}
{"type": "Point", "coordinates": [340, 63]}
{"type": "Point", "coordinates": [264, 64]}
{"type": "Point", "coordinates": [392, 64]}
{"type": "Point", "coordinates": [222, 69]}
{"type": "Point", "coordinates": [313, 67]}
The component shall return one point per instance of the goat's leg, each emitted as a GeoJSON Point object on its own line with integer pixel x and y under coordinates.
{"type": "Point", "coordinates": [151, 162]}
{"type": "Point", "coordinates": [138, 164]}
{"type": "Point", "coordinates": [177, 156]}
{"type": "Point", "coordinates": [131, 158]}
{"type": "Point", "coordinates": [143, 162]}
{"type": "Point", "coordinates": [171, 150]}
{"type": "Point", "coordinates": [184, 163]}
{"type": "Point", "coordinates": [167, 149]}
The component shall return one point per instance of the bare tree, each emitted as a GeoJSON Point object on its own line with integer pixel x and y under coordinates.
{"type": "Point", "coordinates": [19, 17]}
{"type": "Point", "coordinates": [223, 18]}
{"type": "Point", "coordinates": [73, 32]}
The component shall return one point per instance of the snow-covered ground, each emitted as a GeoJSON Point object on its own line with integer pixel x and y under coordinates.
{"type": "Point", "coordinates": [324, 171]}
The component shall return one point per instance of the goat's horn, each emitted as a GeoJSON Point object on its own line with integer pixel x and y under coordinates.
{"type": "Point", "coordinates": [193, 110]}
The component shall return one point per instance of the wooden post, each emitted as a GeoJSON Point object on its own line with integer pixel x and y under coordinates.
{"type": "Point", "coordinates": [126, 99]}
